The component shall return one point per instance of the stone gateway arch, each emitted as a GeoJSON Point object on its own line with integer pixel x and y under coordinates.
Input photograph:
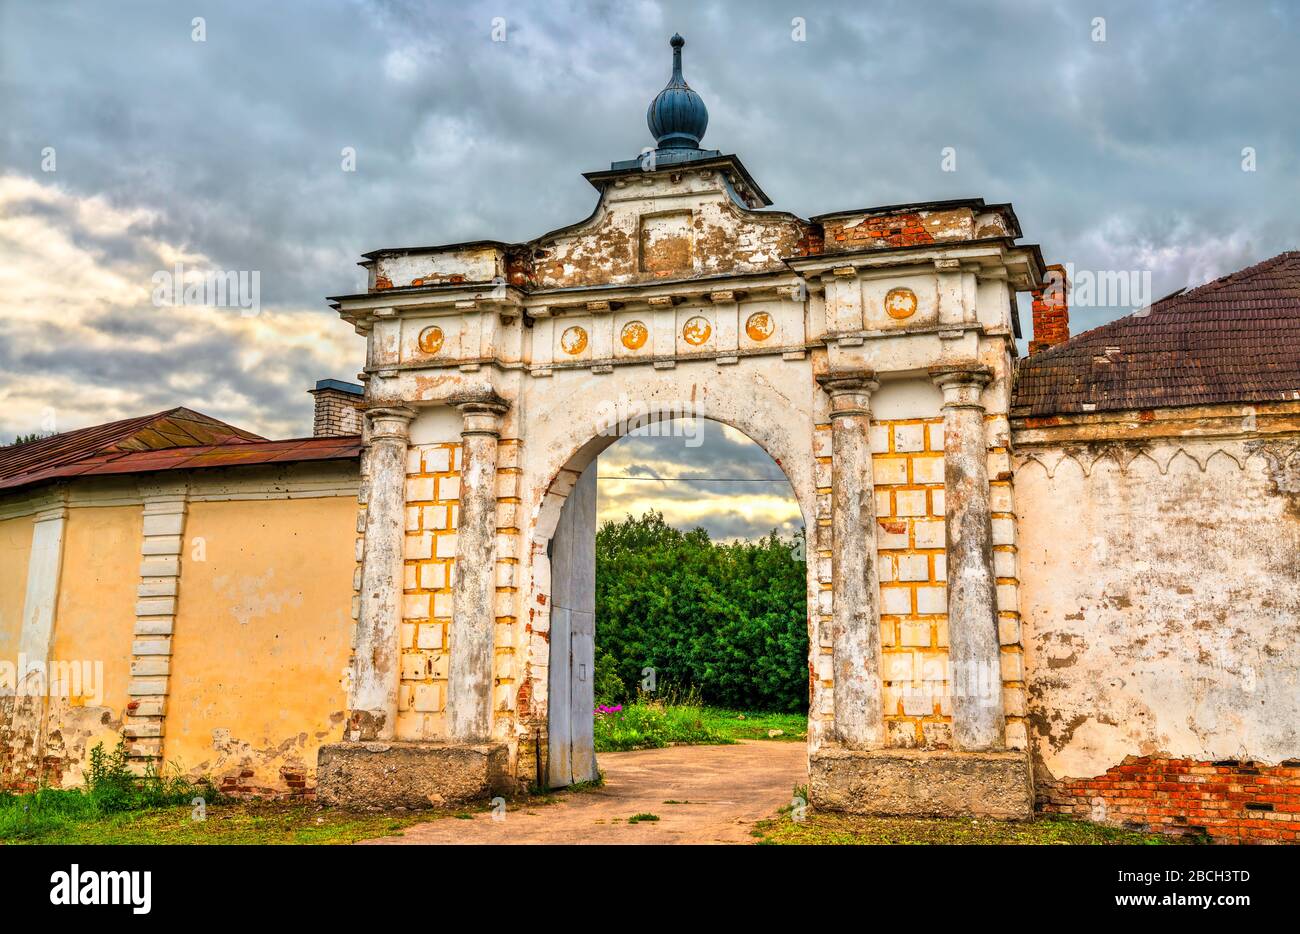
{"type": "Point", "coordinates": [869, 352]}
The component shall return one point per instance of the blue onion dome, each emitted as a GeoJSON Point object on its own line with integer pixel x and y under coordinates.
{"type": "Point", "coordinates": [677, 116]}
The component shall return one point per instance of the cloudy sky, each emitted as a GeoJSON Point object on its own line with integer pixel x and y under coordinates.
{"type": "Point", "coordinates": [697, 473]}
{"type": "Point", "coordinates": [126, 146]}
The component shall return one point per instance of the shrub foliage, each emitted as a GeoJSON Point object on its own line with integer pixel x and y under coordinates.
{"type": "Point", "coordinates": [726, 621]}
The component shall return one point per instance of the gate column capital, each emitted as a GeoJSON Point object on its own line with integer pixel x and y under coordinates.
{"type": "Point", "coordinates": [849, 391]}
{"type": "Point", "coordinates": [961, 383]}
{"type": "Point", "coordinates": [482, 411]}
{"type": "Point", "coordinates": [390, 422]}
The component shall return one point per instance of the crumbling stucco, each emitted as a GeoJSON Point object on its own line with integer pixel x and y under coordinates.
{"type": "Point", "coordinates": [1161, 598]}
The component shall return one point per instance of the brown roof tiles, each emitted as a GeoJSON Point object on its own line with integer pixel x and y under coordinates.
{"type": "Point", "coordinates": [1236, 339]}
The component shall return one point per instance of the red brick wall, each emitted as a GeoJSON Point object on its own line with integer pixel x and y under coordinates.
{"type": "Point", "coordinates": [1051, 311]}
{"type": "Point", "coordinates": [891, 230]}
{"type": "Point", "coordinates": [1230, 801]}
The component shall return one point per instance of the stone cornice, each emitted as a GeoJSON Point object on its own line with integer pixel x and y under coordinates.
{"type": "Point", "coordinates": [364, 309]}
{"type": "Point", "coordinates": [659, 294]}
{"type": "Point", "coordinates": [1241, 421]}
{"type": "Point", "coordinates": [994, 257]}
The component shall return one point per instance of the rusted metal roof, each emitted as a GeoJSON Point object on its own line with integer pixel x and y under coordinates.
{"type": "Point", "coordinates": [1233, 340]}
{"type": "Point", "coordinates": [176, 427]}
{"type": "Point", "coordinates": [178, 439]}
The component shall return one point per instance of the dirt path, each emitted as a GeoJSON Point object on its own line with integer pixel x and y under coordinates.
{"type": "Point", "coordinates": [723, 790]}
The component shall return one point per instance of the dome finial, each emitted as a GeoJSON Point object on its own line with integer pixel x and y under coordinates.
{"type": "Point", "coordinates": [677, 117]}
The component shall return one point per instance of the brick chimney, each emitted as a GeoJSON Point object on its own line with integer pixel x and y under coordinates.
{"type": "Point", "coordinates": [1051, 310]}
{"type": "Point", "coordinates": [338, 408]}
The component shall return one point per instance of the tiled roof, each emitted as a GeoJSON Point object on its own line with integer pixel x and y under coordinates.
{"type": "Point", "coordinates": [1236, 339]}
{"type": "Point", "coordinates": [178, 439]}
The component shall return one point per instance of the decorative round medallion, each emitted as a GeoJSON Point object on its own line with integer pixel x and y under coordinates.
{"type": "Point", "coordinates": [634, 335]}
{"type": "Point", "coordinates": [900, 303]}
{"type": "Point", "coordinates": [431, 339]}
{"type": "Point", "coordinates": [760, 326]}
{"type": "Point", "coordinates": [573, 340]}
{"type": "Point", "coordinates": [697, 330]}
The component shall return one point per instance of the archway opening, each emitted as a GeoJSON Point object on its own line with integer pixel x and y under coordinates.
{"type": "Point", "coordinates": [678, 597]}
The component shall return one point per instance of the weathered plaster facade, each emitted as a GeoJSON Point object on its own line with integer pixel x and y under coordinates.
{"type": "Point", "coordinates": [201, 615]}
{"type": "Point", "coordinates": [1162, 619]}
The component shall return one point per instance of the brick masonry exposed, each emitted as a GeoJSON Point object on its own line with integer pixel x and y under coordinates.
{"type": "Point", "coordinates": [893, 230]}
{"type": "Point", "coordinates": [338, 411]}
{"type": "Point", "coordinates": [1051, 311]}
{"type": "Point", "coordinates": [1230, 801]}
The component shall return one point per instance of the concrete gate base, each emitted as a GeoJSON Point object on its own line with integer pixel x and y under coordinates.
{"type": "Point", "coordinates": [922, 783]}
{"type": "Point", "coordinates": [410, 775]}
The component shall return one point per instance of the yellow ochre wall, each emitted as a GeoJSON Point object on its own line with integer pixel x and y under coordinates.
{"type": "Point", "coordinates": [262, 639]}
{"type": "Point", "coordinates": [15, 548]}
{"type": "Point", "coordinates": [93, 626]}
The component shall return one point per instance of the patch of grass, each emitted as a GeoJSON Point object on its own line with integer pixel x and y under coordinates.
{"type": "Point", "coordinates": [118, 807]}
{"type": "Point", "coordinates": [640, 818]}
{"type": "Point", "coordinates": [652, 723]}
{"type": "Point", "coordinates": [749, 724]}
{"type": "Point", "coordinates": [111, 790]}
{"type": "Point", "coordinates": [843, 829]}
{"type": "Point", "coordinates": [655, 722]}
{"type": "Point", "coordinates": [241, 822]}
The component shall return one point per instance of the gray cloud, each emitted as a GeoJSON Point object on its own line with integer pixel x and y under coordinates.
{"type": "Point", "coordinates": [1123, 154]}
{"type": "Point", "coordinates": [236, 140]}
{"type": "Point", "coordinates": [707, 475]}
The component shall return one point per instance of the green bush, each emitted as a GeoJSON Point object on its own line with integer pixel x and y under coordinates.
{"type": "Point", "coordinates": [607, 686]}
{"type": "Point", "coordinates": [728, 620]}
{"type": "Point", "coordinates": [114, 787]}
